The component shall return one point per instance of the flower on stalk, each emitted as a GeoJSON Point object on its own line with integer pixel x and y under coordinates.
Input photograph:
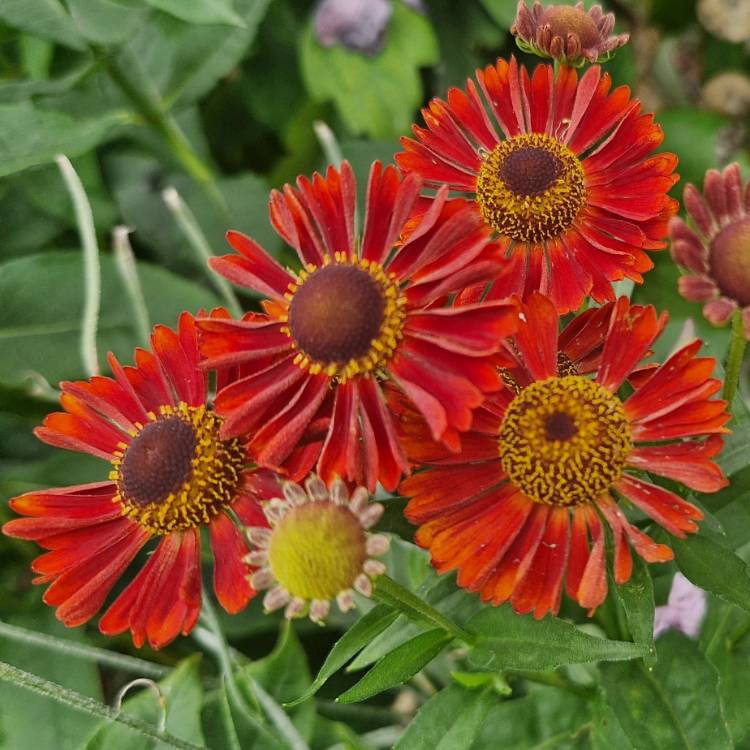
{"type": "Point", "coordinates": [549, 457]}
{"type": "Point", "coordinates": [170, 475]}
{"type": "Point", "coordinates": [357, 314]}
{"type": "Point", "coordinates": [561, 170]}
{"type": "Point", "coordinates": [314, 548]}
{"type": "Point", "coordinates": [716, 251]}
{"type": "Point", "coordinates": [566, 33]}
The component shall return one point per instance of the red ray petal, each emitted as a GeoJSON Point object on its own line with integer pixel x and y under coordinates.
{"type": "Point", "coordinates": [231, 584]}
{"type": "Point", "coordinates": [389, 205]}
{"type": "Point", "coordinates": [253, 269]}
{"type": "Point", "coordinates": [231, 342]}
{"type": "Point", "coordinates": [341, 453]}
{"type": "Point", "coordinates": [541, 586]}
{"type": "Point", "coordinates": [676, 515]}
{"type": "Point", "coordinates": [632, 331]}
{"type": "Point", "coordinates": [536, 337]}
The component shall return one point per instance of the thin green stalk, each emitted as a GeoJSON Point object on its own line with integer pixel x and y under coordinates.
{"type": "Point", "coordinates": [126, 267]}
{"type": "Point", "coordinates": [197, 240]}
{"type": "Point", "coordinates": [152, 110]}
{"type": "Point", "coordinates": [91, 268]}
{"type": "Point", "coordinates": [395, 595]}
{"type": "Point", "coordinates": [237, 697]}
{"type": "Point", "coordinates": [83, 703]}
{"type": "Point", "coordinates": [737, 346]}
{"type": "Point", "coordinates": [89, 653]}
{"type": "Point", "coordinates": [328, 143]}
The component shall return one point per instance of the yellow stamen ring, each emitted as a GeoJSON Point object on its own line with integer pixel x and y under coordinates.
{"type": "Point", "coordinates": [176, 473]}
{"type": "Point", "coordinates": [345, 317]}
{"type": "Point", "coordinates": [530, 187]}
{"type": "Point", "coordinates": [565, 440]}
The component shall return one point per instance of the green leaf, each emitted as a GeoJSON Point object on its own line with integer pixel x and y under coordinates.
{"type": "Point", "coordinates": [511, 641]}
{"type": "Point", "coordinates": [502, 12]}
{"type": "Point", "coordinates": [675, 705]}
{"type": "Point", "coordinates": [713, 567]}
{"type": "Point", "coordinates": [200, 11]}
{"type": "Point", "coordinates": [606, 732]}
{"type": "Point", "coordinates": [284, 674]}
{"type": "Point", "coordinates": [30, 136]}
{"type": "Point", "coordinates": [45, 18]}
{"type": "Point", "coordinates": [184, 61]}
{"type": "Point", "coordinates": [44, 337]}
{"type": "Point", "coordinates": [735, 456]}
{"type": "Point", "coordinates": [108, 21]}
{"type": "Point", "coordinates": [359, 635]}
{"type": "Point", "coordinates": [544, 719]}
{"type": "Point", "coordinates": [637, 599]}
{"type": "Point", "coordinates": [183, 696]}
{"type": "Point", "coordinates": [374, 95]}
{"type": "Point", "coordinates": [20, 711]}
{"type": "Point", "coordinates": [693, 135]}
{"type": "Point", "coordinates": [398, 666]}
{"type": "Point", "coordinates": [450, 720]}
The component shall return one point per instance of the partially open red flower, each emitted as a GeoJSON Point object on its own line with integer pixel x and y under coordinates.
{"type": "Point", "coordinates": [716, 251]}
{"type": "Point", "coordinates": [567, 33]}
{"type": "Point", "coordinates": [562, 171]}
{"type": "Point", "coordinates": [361, 311]}
{"type": "Point", "coordinates": [522, 507]}
{"type": "Point", "coordinates": [170, 474]}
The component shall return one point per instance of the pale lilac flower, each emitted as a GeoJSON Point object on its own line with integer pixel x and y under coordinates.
{"type": "Point", "coordinates": [357, 24]}
{"type": "Point", "coordinates": [684, 610]}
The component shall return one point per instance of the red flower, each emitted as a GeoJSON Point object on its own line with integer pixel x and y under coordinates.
{"type": "Point", "coordinates": [170, 475]}
{"type": "Point", "coordinates": [548, 455]}
{"type": "Point", "coordinates": [716, 255]}
{"type": "Point", "coordinates": [568, 181]}
{"type": "Point", "coordinates": [359, 313]}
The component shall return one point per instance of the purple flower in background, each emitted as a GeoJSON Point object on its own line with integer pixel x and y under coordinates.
{"type": "Point", "coordinates": [357, 24]}
{"type": "Point", "coordinates": [684, 610]}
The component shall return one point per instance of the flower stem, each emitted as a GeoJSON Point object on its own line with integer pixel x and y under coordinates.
{"type": "Point", "coordinates": [91, 267]}
{"type": "Point", "coordinates": [126, 267]}
{"type": "Point", "coordinates": [89, 653]}
{"type": "Point", "coordinates": [328, 143]}
{"type": "Point", "coordinates": [83, 703]}
{"type": "Point", "coordinates": [395, 595]}
{"type": "Point", "coordinates": [197, 240]}
{"type": "Point", "coordinates": [737, 345]}
{"type": "Point", "coordinates": [152, 110]}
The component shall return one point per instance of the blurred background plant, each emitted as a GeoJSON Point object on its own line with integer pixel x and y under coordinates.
{"type": "Point", "coordinates": [178, 116]}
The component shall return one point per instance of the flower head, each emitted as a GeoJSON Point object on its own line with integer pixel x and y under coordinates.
{"type": "Point", "coordinates": [171, 473]}
{"type": "Point", "coordinates": [549, 457]}
{"type": "Point", "coordinates": [716, 252]}
{"type": "Point", "coordinates": [358, 313]}
{"type": "Point", "coordinates": [566, 33]}
{"type": "Point", "coordinates": [315, 548]}
{"type": "Point", "coordinates": [561, 170]}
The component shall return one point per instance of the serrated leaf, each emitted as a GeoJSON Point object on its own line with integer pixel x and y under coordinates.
{"type": "Point", "coordinates": [374, 95]}
{"type": "Point", "coordinates": [44, 337]}
{"type": "Point", "coordinates": [675, 705]}
{"type": "Point", "coordinates": [45, 18]}
{"type": "Point", "coordinates": [359, 635]}
{"type": "Point", "coordinates": [30, 136]}
{"type": "Point", "coordinates": [713, 567]}
{"type": "Point", "coordinates": [511, 641]}
{"type": "Point", "coordinates": [200, 11]}
{"type": "Point", "coordinates": [450, 720]}
{"type": "Point", "coordinates": [637, 599]}
{"type": "Point", "coordinates": [398, 666]}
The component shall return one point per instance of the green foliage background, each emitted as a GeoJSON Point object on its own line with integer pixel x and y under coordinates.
{"type": "Point", "coordinates": [218, 99]}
